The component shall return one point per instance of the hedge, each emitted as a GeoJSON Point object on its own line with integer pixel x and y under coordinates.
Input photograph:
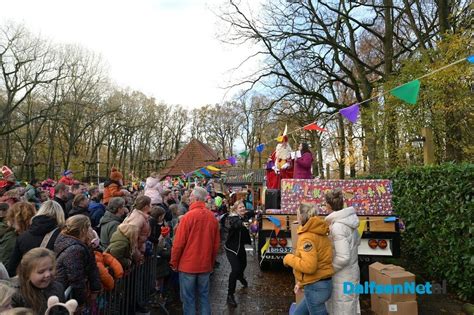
{"type": "Point", "coordinates": [436, 204]}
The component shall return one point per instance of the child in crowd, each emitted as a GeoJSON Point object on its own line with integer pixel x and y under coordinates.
{"type": "Point", "coordinates": [36, 276]}
{"type": "Point", "coordinates": [76, 263]}
{"type": "Point", "coordinates": [123, 243]}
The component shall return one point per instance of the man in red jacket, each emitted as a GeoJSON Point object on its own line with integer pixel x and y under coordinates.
{"type": "Point", "coordinates": [194, 252]}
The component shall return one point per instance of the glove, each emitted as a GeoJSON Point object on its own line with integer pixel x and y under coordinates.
{"type": "Point", "coordinates": [285, 166]}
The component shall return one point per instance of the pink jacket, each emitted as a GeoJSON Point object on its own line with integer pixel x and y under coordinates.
{"type": "Point", "coordinates": [140, 219]}
{"type": "Point", "coordinates": [303, 166]}
{"type": "Point", "coordinates": [153, 189]}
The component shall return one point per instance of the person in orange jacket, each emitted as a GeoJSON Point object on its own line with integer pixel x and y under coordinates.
{"type": "Point", "coordinates": [113, 186]}
{"type": "Point", "coordinates": [312, 261]}
{"type": "Point", "coordinates": [107, 263]}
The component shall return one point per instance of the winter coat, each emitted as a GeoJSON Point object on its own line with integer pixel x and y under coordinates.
{"type": "Point", "coordinates": [96, 211]}
{"type": "Point", "coordinates": [196, 242]}
{"type": "Point", "coordinates": [237, 234]}
{"type": "Point", "coordinates": [121, 248]}
{"type": "Point", "coordinates": [62, 203]}
{"type": "Point", "coordinates": [109, 269]}
{"type": "Point", "coordinates": [140, 220]}
{"type": "Point", "coordinates": [153, 189]}
{"type": "Point", "coordinates": [7, 242]}
{"type": "Point", "coordinates": [55, 288]}
{"type": "Point", "coordinates": [345, 239]}
{"type": "Point", "coordinates": [112, 189]}
{"type": "Point", "coordinates": [312, 260]}
{"type": "Point", "coordinates": [108, 225]}
{"type": "Point", "coordinates": [303, 166]}
{"type": "Point", "coordinates": [76, 267]}
{"type": "Point", "coordinates": [168, 213]}
{"type": "Point", "coordinates": [32, 238]}
{"type": "Point", "coordinates": [67, 181]}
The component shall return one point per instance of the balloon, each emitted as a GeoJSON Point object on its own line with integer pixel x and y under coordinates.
{"type": "Point", "coordinates": [218, 201]}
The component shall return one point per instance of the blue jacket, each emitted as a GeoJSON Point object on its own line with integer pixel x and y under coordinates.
{"type": "Point", "coordinates": [96, 211]}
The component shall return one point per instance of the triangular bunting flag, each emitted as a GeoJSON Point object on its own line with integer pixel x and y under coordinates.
{"type": "Point", "coordinates": [279, 139]}
{"type": "Point", "coordinates": [198, 174]}
{"type": "Point", "coordinates": [351, 112]}
{"type": "Point", "coordinates": [407, 92]}
{"type": "Point", "coordinates": [313, 126]}
{"type": "Point", "coordinates": [222, 162]}
{"type": "Point", "coordinates": [212, 168]}
{"type": "Point", "coordinates": [260, 148]}
{"type": "Point", "coordinates": [205, 172]}
{"type": "Point", "coordinates": [232, 160]}
{"type": "Point", "coordinates": [470, 59]}
{"type": "Point", "coordinates": [361, 227]}
{"type": "Point", "coordinates": [244, 154]}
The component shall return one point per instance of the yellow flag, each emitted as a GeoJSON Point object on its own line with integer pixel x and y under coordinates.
{"type": "Point", "coordinates": [212, 168]}
{"type": "Point", "coordinates": [265, 247]}
{"type": "Point", "coordinates": [361, 227]}
{"type": "Point", "coordinates": [279, 139]}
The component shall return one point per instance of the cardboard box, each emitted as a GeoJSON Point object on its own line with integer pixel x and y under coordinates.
{"type": "Point", "coordinates": [396, 277]}
{"type": "Point", "coordinates": [294, 235]}
{"type": "Point", "coordinates": [397, 308]}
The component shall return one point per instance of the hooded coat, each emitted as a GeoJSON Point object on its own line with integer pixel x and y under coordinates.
{"type": "Point", "coordinates": [112, 188]}
{"type": "Point", "coordinates": [153, 189]}
{"type": "Point", "coordinates": [345, 239]}
{"type": "Point", "coordinates": [7, 242]}
{"type": "Point", "coordinates": [121, 248]}
{"type": "Point", "coordinates": [108, 225]}
{"type": "Point", "coordinates": [32, 238]}
{"type": "Point", "coordinates": [96, 211]}
{"type": "Point", "coordinates": [312, 260]}
{"type": "Point", "coordinates": [76, 267]}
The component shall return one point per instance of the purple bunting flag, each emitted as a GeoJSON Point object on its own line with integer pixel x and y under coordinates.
{"type": "Point", "coordinates": [351, 112]}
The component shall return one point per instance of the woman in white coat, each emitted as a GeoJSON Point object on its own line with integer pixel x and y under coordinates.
{"type": "Point", "coordinates": [153, 188]}
{"type": "Point", "coordinates": [343, 224]}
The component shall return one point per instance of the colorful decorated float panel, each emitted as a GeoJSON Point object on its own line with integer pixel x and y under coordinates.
{"type": "Point", "coordinates": [368, 196]}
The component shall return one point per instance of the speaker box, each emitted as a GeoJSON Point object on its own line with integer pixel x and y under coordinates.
{"type": "Point", "coordinates": [272, 199]}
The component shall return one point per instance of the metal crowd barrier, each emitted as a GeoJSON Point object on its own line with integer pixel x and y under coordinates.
{"type": "Point", "coordinates": [130, 292]}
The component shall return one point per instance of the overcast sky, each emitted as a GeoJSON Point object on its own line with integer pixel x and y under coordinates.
{"type": "Point", "coordinates": [164, 48]}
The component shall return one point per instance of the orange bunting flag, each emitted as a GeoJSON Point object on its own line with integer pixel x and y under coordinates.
{"type": "Point", "coordinates": [222, 162]}
{"type": "Point", "coordinates": [313, 126]}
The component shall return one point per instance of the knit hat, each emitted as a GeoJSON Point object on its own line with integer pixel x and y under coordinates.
{"type": "Point", "coordinates": [115, 174]}
{"type": "Point", "coordinates": [67, 172]}
{"type": "Point", "coordinates": [53, 301]}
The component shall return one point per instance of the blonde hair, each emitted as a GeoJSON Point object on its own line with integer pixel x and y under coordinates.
{"type": "Point", "coordinates": [6, 293]}
{"type": "Point", "coordinates": [307, 211]}
{"type": "Point", "coordinates": [19, 215]}
{"type": "Point", "coordinates": [335, 199]}
{"type": "Point", "coordinates": [19, 311]}
{"type": "Point", "coordinates": [77, 226]}
{"type": "Point", "coordinates": [53, 210]}
{"type": "Point", "coordinates": [28, 264]}
{"type": "Point", "coordinates": [131, 232]}
{"type": "Point", "coordinates": [234, 207]}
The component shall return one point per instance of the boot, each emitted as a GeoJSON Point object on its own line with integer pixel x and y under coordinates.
{"type": "Point", "coordinates": [244, 282]}
{"type": "Point", "coordinates": [231, 301]}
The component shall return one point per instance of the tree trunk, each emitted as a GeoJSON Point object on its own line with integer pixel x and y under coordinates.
{"type": "Point", "coordinates": [352, 156]}
{"type": "Point", "coordinates": [342, 147]}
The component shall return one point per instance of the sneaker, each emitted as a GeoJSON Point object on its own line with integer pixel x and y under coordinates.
{"type": "Point", "coordinates": [231, 301]}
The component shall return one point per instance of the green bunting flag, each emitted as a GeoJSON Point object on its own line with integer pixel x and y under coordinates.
{"type": "Point", "coordinates": [244, 154]}
{"type": "Point", "coordinates": [407, 92]}
{"type": "Point", "coordinates": [198, 174]}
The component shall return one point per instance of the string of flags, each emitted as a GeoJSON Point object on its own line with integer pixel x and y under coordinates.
{"type": "Point", "coordinates": [407, 92]}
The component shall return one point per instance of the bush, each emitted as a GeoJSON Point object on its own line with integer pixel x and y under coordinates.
{"type": "Point", "coordinates": [436, 205]}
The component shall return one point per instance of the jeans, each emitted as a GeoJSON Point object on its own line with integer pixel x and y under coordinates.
{"type": "Point", "coordinates": [238, 263]}
{"type": "Point", "coordinates": [315, 296]}
{"type": "Point", "coordinates": [189, 284]}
